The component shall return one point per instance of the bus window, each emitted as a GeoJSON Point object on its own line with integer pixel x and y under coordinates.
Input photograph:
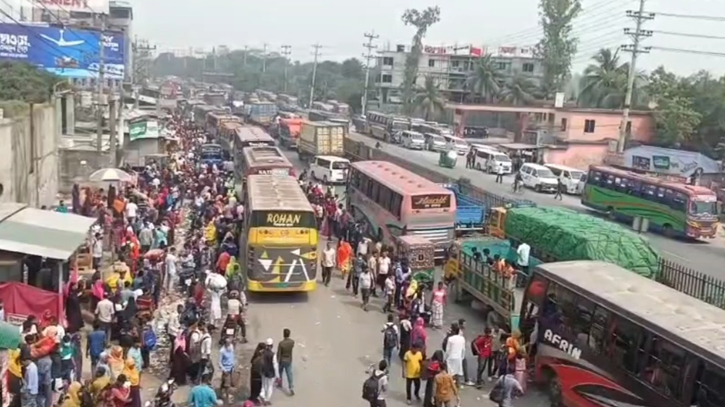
{"type": "Point", "coordinates": [597, 177]}
{"type": "Point", "coordinates": [663, 368]}
{"type": "Point", "coordinates": [625, 344]}
{"type": "Point", "coordinates": [634, 187]}
{"type": "Point", "coordinates": [609, 180]}
{"type": "Point", "coordinates": [679, 201]}
{"type": "Point", "coordinates": [649, 191]}
{"type": "Point", "coordinates": [711, 392]}
{"type": "Point", "coordinates": [597, 332]}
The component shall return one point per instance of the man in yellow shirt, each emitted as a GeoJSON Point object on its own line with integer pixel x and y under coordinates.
{"type": "Point", "coordinates": [413, 367]}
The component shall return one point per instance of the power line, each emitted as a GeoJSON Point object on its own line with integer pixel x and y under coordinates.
{"type": "Point", "coordinates": [638, 35]}
{"type": "Point", "coordinates": [368, 57]}
{"type": "Point", "coordinates": [286, 52]}
{"type": "Point", "coordinates": [688, 51]}
{"type": "Point", "coordinates": [709, 37]}
{"type": "Point", "coordinates": [314, 72]}
{"type": "Point", "coordinates": [690, 16]}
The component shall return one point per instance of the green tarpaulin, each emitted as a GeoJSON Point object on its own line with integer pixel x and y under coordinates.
{"type": "Point", "coordinates": [567, 235]}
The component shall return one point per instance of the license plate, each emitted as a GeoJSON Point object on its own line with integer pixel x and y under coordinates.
{"type": "Point", "coordinates": [230, 331]}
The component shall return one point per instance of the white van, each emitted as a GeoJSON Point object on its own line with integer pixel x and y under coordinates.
{"type": "Point", "coordinates": [488, 159]}
{"type": "Point", "coordinates": [412, 140]}
{"type": "Point", "coordinates": [569, 177]}
{"type": "Point", "coordinates": [329, 169]}
{"type": "Point", "coordinates": [434, 142]}
{"type": "Point", "coordinates": [456, 144]}
{"type": "Point", "coordinates": [538, 177]}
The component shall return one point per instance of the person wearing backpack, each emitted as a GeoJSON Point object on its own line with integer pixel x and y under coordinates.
{"type": "Point", "coordinates": [391, 338]}
{"type": "Point", "coordinates": [375, 387]}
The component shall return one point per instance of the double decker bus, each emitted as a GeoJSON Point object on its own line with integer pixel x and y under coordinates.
{"type": "Point", "coordinates": [674, 209]}
{"type": "Point", "coordinates": [280, 238]}
{"type": "Point", "coordinates": [393, 201]}
{"type": "Point", "coordinates": [266, 160]}
{"type": "Point", "coordinates": [604, 336]}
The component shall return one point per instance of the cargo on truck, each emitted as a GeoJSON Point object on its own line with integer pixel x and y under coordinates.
{"type": "Point", "coordinates": [553, 234]}
{"type": "Point", "coordinates": [321, 138]}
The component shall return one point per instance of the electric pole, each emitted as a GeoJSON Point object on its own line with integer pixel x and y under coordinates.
{"type": "Point", "coordinates": [244, 61]}
{"type": "Point", "coordinates": [264, 58]}
{"type": "Point", "coordinates": [314, 73]}
{"type": "Point", "coordinates": [101, 80]}
{"type": "Point", "coordinates": [368, 57]}
{"type": "Point", "coordinates": [286, 52]}
{"type": "Point", "coordinates": [635, 48]}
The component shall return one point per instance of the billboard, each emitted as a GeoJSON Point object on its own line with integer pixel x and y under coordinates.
{"type": "Point", "coordinates": [85, 6]}
{"type": "Point", "coordinates": [69, 53]}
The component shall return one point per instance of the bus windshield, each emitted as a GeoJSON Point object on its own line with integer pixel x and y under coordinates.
{"type": "Point", "coordinates": [700, 206]}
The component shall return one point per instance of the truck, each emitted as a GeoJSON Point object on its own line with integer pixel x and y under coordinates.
{"type": "Point", "coordinates": [470, 212]}
{"type": "Point", "coordinates": [553, 234]}
{"type": "Point", "coordinates": [289, 132]}
{"type": "Point", "coordinates": [321, 138]}
{"type": "Point", "coordinates": [260, 113]}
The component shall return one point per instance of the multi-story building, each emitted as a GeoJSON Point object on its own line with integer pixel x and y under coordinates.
{"type": "Point", "coordinates": [450, 66]}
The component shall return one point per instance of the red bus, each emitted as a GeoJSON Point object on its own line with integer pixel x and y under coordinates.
{"type": "Point", "coordinates": [604, 336]}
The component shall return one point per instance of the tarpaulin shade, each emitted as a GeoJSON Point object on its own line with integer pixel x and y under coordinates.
{"type": "Point", "coordinates": [20, 300]}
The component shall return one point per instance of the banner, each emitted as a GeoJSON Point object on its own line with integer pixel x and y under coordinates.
{"type": "Point", "coordinates": [143, 129]}
{"type": "Point", "coordinates": [21, 300]}
{"type": "Point", "coordinates": [85, 6]}
{"type": "Point", "coordinates": [69, 53]}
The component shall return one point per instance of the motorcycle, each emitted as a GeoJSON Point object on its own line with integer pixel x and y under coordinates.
{"type": "Point", "coordinates": [163, 395]}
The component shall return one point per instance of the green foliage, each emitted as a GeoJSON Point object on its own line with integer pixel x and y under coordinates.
{"type": "Point", "coordinates": [421, 21]}
{"type": "Point", "coordinates": [251, 70]}
{"type": "Point", "coordinates": [26, 83]}
{"type": "Point", "coordinates": [485, 79]}
{"type": "Point", "coordinates": [519, 91]}
{"type": "Point", "coordinates": [558, 45]}
{"type": "Point", "coordinates": [676, 120]}
{"type": "Point", "coordinates": [604, 83]}
{"type": "Point", "coordinates": [428, 99]}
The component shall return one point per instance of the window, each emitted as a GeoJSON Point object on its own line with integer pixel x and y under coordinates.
{"type": "Point", "coordinates": [388, 61]}
{"type": "Point", "coordinates": [711, 392]}
{"type": "Point", "coordinates": [662, 369]}
{"type": "Point", "coordinates": [589, 126]}
{"type": "Point", "coordinates": [387, 78]}
{"type": "Point", "coordinates": [323, 163]}
{"type": "Point", "coordinates": [563, 124]}
{"type": "Point", "coordinates": [400, 48]}
{"type": "Point", "coordinates": [431, 63]}
{"type": "Point", "coordinates": [455, 64]}
{"type": "Point", "coordinates": [597, 332]}
{"type": "Point", "coordinates": [625, 343]}
{"type": "Point", "coordinates": [679, 201]}
{"type": "Point", "coordinates": [501, 66]}
{"type": "Point", "coordinates": [395, 205]}
{"type": "Point", "coordinates": [528, 67]}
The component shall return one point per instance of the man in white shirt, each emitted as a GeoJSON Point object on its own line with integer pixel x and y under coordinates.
{"type": "Point", "coordinates": [362, 247]}
{"type": "Point", "coordinates": [523, 252]}
{"type": "Point", "coordinates": [329, 256]}
{"type": "Point", "coordinates": [97, 251]}
{"type": "Point", "coordinates": [499, 174]}
{"type": "Point", "coordinates": [235, 307]}
{"type": "Point", "coordinates": [383, 267]}
{"type": "Point", "coordinates": [105, 311]}
{"type": "Point", "coordinates": [170, 266]}
{"type": "Point", "coordinates": [131, 212]}
{"type": "Point", "coordinates": [455, 351]}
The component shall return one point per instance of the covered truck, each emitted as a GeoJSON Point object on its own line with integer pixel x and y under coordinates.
{"type": "Point", "coordinates": [289, 132]}
{"type": "Point", "coordinates": [321, 138]}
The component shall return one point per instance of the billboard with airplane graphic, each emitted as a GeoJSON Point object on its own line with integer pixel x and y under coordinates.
{"type": "Point", "coordinates": [69, 53]}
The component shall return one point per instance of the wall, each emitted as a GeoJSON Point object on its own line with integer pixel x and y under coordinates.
{"type": "Point", "coordinates": [606, 125]}
{"type": "Point", "coordinates": [577, 155]}
{"type": "Point", "coordinates": [73, 171]}
{"type": "Point", "coordinates": [29, 156]}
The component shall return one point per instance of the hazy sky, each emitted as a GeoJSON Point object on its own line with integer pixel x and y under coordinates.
{"type": "Point", "coordinates": [340, 24]}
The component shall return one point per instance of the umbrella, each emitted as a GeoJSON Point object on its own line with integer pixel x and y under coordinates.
{"type": "Point", "coordinates": [110, 175]}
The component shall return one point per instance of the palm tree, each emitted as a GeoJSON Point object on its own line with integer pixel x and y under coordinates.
{"type": "Point", "coordinates": [485, 79]}
{"type": "Point", "coordinates": [428, 99]}
{"type": "Point", "coordinates": [519, 90]}
{"type": "Point", "coordinates": [604, 82]}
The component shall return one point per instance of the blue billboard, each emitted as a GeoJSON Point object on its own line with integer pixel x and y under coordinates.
{"type": "Point", "coordinates": [69, 53]}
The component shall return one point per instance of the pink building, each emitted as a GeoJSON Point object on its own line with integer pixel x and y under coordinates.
{"type": "Point", "coordinates": [568, 136]}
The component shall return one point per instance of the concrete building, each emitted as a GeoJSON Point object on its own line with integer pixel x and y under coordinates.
{"type": "Point", "coordinates": [450, 66]}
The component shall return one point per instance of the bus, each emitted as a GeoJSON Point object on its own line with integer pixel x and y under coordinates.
{"type": "Point", "coordinates": [228, 132]}
{"type": "Point", "coordinates": [383, 126]}
{"type": "Point", "coordinates": [393, 201]}
{"type": "Point", "coordinates": [215, 120]}
{"type": "Point", "coordinates": [425, 127]}
{"type": "Point", "coordinates": [322, 106]}
{"type": "Point", "coordinates": [280, 236]}
{"type": "Point", "coordinates": [676, 210]}
{"type": "Point", "coordinates": [200, 113]}
{"type": "Point", "coordinates": [604, 336]}
{"type": "Point", "coordinates": [267, 160]}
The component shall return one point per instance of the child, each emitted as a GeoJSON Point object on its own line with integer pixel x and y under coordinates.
{"type": "Point", "coordinates": [66, 358]}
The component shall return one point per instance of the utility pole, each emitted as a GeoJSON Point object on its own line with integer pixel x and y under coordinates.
{"type": "Point", "coordinates": [635, 48]}
{"type": "Point", "coordinates": [314, 73]}
{"type": "Point", "coordinates": [286, 52]}
{"type": "Point", "coordinates": [101, 83]}
{"type": "Point", "coordinates": [368, 57]}
{"type": "Point", "coordinates": [244, 61]}
{"type": "Point", "coordinates": [264, 58]}
{"type": "Point", "coordinates": [141, 56]}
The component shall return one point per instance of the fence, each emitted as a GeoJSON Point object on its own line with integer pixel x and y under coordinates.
{"type": "Point", "coordinates": [691, 282]}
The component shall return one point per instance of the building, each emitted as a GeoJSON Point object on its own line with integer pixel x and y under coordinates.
{"type": "Point", "coordinates": [450, 66]}
{"type": "Point", "coordinates": [119, 20]}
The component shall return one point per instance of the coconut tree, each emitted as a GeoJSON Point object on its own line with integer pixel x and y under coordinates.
{"type": "Point", "coordinates": [604, 82]}
{"type": "Point", "coordinates": [428, 99]}
{"type": "Point", "coordinates": [519, 90]}
{"type": "Point", "coordinates": [485, 79]}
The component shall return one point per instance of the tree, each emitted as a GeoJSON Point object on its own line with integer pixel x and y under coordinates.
{"type": "Point", "coordinates": [24, 82]}
{"type": "Point", "coordinates": [485, 79]}
{"type": "Point", "coordinates": [519, 90]}
{"type": "Point", "coordinates": [604, 82]}
{"type": "Point", "coordinates": [429, 100]}
{"type": "Point", "coordinates": [558, 45]}
{"type": "Point", "coordinates": [421, 21]}
{"type": "Point", "coordinates": [676, 121]}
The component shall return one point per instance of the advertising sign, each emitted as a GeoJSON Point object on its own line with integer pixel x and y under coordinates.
{"type": "Point", "coordinates": [143, 129]}
{"type": "Point", "coordinates": [86, 6]}
{"type": "Point", "coordinates": [431, 201]}
{"type": "Point", "coordinates": [69, 53]}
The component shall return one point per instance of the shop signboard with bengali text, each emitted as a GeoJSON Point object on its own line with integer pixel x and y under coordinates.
{"type": "Point", "coordinates": [83, 6]}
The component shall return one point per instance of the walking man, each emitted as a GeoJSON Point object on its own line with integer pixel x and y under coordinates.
{"type": "Point", "coordinates": [328, 262]}
{"type": "Point", "coordinates": [284, 354]}
{"type": "Point", "coordinates": [270, 368]}
{"type": "Point", "coordinates": [499, 174]}
{"type": "Point", "coordinates": [366, 284]}
{"type": "Point", "coordinates": [559, 189]}
{"type": "Point", "coordinates": [227, 361]}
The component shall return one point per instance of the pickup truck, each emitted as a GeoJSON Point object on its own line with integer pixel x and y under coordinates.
{"type": "Point", "coordinates": [321, 138]}
{"type": "Point", "coordinates": [470, 212]}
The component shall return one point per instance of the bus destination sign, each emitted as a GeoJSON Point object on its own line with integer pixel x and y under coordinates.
{"type": "Point", "coordinates": [431, 201]}
{"type": "Point", "coordinates": [282, 219]}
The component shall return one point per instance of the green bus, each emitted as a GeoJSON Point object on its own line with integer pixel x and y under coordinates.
{"type": "Point", "coordinates": [674, 209]}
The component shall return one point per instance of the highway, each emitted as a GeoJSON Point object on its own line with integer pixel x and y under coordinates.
{"type": "Point", "coordinates": [701, 255]}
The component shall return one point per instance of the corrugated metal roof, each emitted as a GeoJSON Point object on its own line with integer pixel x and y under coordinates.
{"type": "Point", "coordinates": [40, 232]}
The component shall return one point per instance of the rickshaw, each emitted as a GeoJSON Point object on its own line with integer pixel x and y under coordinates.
{"type": "Point", "coordinates": [447, 159]}
{"type": "Point", "coordinates": [420, 254]}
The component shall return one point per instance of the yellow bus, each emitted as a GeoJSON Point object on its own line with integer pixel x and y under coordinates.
{"type": "Point", "coordinates": [279, 243]}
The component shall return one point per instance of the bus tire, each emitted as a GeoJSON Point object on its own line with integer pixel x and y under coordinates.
{"type": "Point", "coordinates": [668, 231]}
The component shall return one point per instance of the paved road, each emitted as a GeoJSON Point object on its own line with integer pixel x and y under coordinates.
{"type": "Point", "coordinates": [701, 256]}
